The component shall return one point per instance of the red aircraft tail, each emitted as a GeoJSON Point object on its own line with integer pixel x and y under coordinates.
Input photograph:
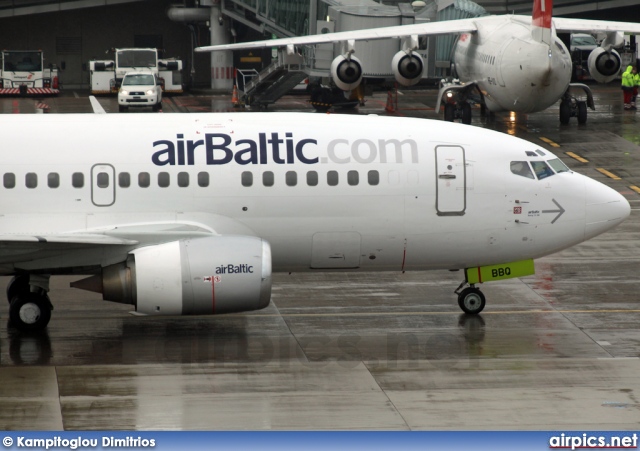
{"type": "Point", "coordinates": [541, 20]}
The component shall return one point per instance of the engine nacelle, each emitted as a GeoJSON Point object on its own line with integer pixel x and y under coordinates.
{"type": "Point", "coordinates": [604, 66]}
{"type": "Point", "coordinates": [346, 72]}
{"type": "Point", "coordinates": [407, 68]}
{"type": "Point", "coordinates": [201, 276]}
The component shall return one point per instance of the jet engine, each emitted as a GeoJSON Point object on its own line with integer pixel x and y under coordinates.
{"type": "Point", "coordinates": [199, 276]}
{"type": "Point", "coordinates": [407, 68]}
{"type": "Point", "coordinates": [603, 65]}
{"type": "Point", "coordinates": [346, 72]}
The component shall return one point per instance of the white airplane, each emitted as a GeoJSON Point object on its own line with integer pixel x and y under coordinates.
{"type": "Point", "coordinates": [191, 214]}
{"type": "Point", "coordinates": [517, 63]}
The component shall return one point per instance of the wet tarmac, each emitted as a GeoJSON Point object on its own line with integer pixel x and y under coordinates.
{"type": "Point", "coordinates": [559, 350]}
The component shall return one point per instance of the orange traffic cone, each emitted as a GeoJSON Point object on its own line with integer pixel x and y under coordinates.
{"type": "Point", "coordinates": [234, 96]}
{"type": "Point", "coordinates": [390, 108]}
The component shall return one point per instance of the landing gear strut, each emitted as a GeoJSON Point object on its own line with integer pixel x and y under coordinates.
{"type": "Point", "coordinates": [460, 110]}
{"type": "Point", "coordinates": [29, 305]}
{"type": "Point", "coordinates": [471, 300]}
{"type": "Point", "coordinates": [572, 107]}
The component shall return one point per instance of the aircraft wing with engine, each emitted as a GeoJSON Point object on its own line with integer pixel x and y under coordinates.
{"type": "Point", "coordinates": [346, 68]}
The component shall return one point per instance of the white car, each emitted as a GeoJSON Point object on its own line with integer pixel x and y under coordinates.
{"type": "Point", "coordinates": [140, 89]}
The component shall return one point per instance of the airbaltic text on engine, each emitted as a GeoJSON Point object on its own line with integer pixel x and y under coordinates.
{"type": "Point", "coordinates": [234, 269]}
{"type": "Point", "coordinates": [219, 148]}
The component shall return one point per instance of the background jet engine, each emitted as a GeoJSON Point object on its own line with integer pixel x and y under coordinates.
{"type": "Point", "coordinates": [407, 68]}
{"type": "Point", "coordinates": [603, 65]}
{"type": "Point", "coordinates": [346, 72]}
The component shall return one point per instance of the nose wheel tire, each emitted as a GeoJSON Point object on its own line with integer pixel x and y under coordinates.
{"type": "Point", "coordinates": [30, 312]}
{"type": "Point", "coordinates": [471, 300]}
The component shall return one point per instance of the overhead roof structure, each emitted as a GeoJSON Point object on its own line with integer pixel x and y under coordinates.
{"type": "Point", "coordinates": [291, 9]}
{"type": "Point", "coordinates": [10, 8]}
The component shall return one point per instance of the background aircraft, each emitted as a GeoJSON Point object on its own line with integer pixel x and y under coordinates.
{"type": "Point", "coordinates": [517, 63]}
{"type": "Point", "coordinates": [191, 214]}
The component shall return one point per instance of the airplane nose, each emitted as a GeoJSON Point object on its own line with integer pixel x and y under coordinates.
{"type": "Point", "coordinates": [605, 208]}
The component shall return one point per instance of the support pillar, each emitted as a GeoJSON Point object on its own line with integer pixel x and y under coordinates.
{"type": "Point", "coordinates": [222, 71]}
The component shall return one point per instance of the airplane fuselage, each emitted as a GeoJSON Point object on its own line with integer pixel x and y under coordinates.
{"type": "Point", "coordinates": [513, 71]}
{"type": "Point", "coordinates": [326, 191]}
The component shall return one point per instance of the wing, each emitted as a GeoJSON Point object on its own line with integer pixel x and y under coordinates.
{"type": "Point", "coordinates": [89, 250]}
{"type": "Point", "coordinates": [594, 26]}
{"type": "Point", "coordinates": [424, 29]}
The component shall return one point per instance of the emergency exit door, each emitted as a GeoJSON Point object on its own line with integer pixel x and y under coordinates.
{"type": "Point", "coordinates": [103, 187]}
{"type": "Point", "coordinates": [451, 181]}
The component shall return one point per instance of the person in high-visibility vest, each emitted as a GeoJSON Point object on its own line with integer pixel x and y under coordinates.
{"type": "Point", "coordinates": [630, 87]}
{"type": "Point", "coordinates": [636, 79]}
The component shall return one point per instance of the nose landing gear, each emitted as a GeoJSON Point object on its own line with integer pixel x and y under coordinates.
{"type": "Point", "coordinates": [470, 300]}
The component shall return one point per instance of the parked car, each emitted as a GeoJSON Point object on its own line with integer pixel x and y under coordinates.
{"type": "Point", "coordinates": [140, 89]}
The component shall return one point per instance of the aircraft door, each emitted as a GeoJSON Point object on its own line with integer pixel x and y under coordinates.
{"type": "Point", "coordinates": [103, 186]}
{"type": "Point", "coordinates": [451, 181]}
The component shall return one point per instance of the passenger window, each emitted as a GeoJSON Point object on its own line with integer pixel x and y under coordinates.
{"type": "Point", "coordinates": [9, 180]}
{"type": "Point", "coordinates": [247, 178]}
{"type": "Point", "coordinates": [522, 169]}
{"type": "Point", "coordinates": [102, 180]}
{"type": "Point", "coordinates": [374, 177]}
{"type": "Point", "coordinates": [31, 180]}
{"type": "Point", "coordinates": [77, 180]}
{"type": "Point", "coordinates": [541, 169]}
{"type": "Point", "coordinates": [163, 179]}
{"type": "Point", "coordinates": [144, 180]}
{"type": "Point", "coordinates": [124, 180]}
{"type": "Point", "coordinates": [267, 178]}
{"type": "Point", "coordinates": [353, 178]}
{"type": "Point", "coordinates": [203, 179]}
{"type": "Point", "coordinates": [312, 178]}
{"type": "Point", "coordinates": [558, 165]}
{"type": "Point", "coordinates": [332, 178]}
{"type": "Point", "coordinates": [291, 178]}
{"type": "Point", "coordinates": [183, 179]}
{"type": "Point", "coordinates": [53, 180]}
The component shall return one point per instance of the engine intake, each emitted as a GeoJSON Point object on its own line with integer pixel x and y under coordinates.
{"type": "Point", "coordinates": [407, 68]}
{"type": "Point", "coordinates": [346, 72]}
{"type": "Point", "coordinates": [604, 66]}
{"type": "Point", "coordinates": [190, 277]}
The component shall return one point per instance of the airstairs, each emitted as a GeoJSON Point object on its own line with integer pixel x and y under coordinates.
{"type": "Point", "coordinates": [260, 89]}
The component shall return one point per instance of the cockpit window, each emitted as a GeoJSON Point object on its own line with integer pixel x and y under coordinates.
{"type": "Point", "coordinates": [560, 47]}
{"type": "Point", "coordinates": [541, 169]}
{"type": "Point", "coordinates": [531, 153]}
{"type": "Point", "coordinates": [522, 168]}
{"type": "Point", "coordinates": [558, 165]}
{"type": "Point", "coordinates": [540, 152]}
